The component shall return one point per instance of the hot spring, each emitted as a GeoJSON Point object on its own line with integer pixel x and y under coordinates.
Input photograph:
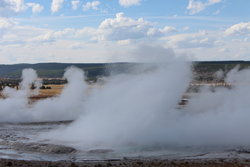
{"type": "Point", "coordinates": [132, 114]}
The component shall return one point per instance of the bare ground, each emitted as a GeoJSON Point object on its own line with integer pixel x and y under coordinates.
{"type": "Point", "coordinates": [130, 163]}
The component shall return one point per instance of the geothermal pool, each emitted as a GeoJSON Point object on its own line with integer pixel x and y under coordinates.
{"type": "Point", "coordinates": [133, 116]}
{"type": "Point", "coordinates": [19, 141]}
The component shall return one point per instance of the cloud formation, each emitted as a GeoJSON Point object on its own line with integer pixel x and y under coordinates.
{"type": "Point", "coordinates": [239, 29]}
{"type": "Point", "coordinates": [36, 8]}
{"type": "Point", "coordinates": [127, 3]}
{"type": "Point", "coordinates": [9, 8]}
{"type": "Point", "coordinates": [75, 4]}
{"type": "Point", "coordinates": [91, 5]}
{"type": "Point", "coordinates": [56, 5]}
{"type": "Point", "coordinates": [5, 24]}
{"type": "Point", "coordinates": [195, 7]}
{"type": "Point", "coordinates": [120, 28]}
{"type": "Point", "coordinates": [123, 28]}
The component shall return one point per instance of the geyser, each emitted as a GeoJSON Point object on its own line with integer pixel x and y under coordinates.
{"type": "Point", "coordinates": [67, 106]}
{"type": "Point", "coordinates": [141, 110]}
{"type": "Point", "coordinates": [138, 109]}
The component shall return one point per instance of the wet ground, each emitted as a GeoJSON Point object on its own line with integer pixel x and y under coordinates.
{"type": "Point", "coordinates": [18, 144]}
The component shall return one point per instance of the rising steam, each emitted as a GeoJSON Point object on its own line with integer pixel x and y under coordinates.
{"type": "Point", "coordinates": [141, 110]}
{"type": "Point", "coordinates": [130, 109]}
{"type": "Point", "coordinates": [67, 106]}
{"type": "Point", "coordinates": [138, 109]}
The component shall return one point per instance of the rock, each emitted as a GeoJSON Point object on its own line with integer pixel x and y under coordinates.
{"type": "Point", "coordinates": [43, 148]}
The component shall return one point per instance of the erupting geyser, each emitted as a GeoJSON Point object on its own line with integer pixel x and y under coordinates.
{"type": "Point", "coordinates": [138, 109]}
{"type": "Point", "coordinates": [67, 106]}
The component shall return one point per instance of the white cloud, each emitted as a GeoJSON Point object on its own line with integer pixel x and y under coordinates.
{"type": "Point", "coordinates": [201, 39]}
{"type": "Point", "coordinates": [107, 42]}
{"type": "Point", "coordinates": [195, 7]}
{"type": "Point", "coordinates": [5, 24]}
{"type": "Point", "coordinates": [239, 29]}
{"type": "Point", "coordinates": [91, 5]}
{"type": "Point", "coordinates": [48, 37]}
{"type": "Point", "coordinates": [124, 42]}
{"type": "Point", "coordinates": [124, 28]}
{"type": "Point", "coordinates": [118, 39]}
{"type": "Point", "coordinates": [59, 46]}
{"type": "Point", "coordinates": [56, 5]}
{"type": "Point", "coordinates": [127, 3]}
{"type": "Point", "coordinates": [75, 4]}
{"type": "Point", "coordinates": [120, 28]}
{"type": "Point", "coordinates": [11, 7]}
{"type": "Point", "coordinates": [36, 8]}
{"type": "Point", "coordinates": [209, 45]}
{"type": "Point", "coordinates": [51, 36]}
{"type": "Point", "coordinates": [168, 29]}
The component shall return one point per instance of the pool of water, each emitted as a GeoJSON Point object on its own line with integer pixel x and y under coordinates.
{"type": "Point", "coordinates": [19, 141]}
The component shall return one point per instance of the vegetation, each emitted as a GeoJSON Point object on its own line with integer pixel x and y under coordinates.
{"type": "Point", "coordinates": [53, 72]}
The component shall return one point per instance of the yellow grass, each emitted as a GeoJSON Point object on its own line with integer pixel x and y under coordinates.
{"type": "Point", "coordinates": [55, 90]}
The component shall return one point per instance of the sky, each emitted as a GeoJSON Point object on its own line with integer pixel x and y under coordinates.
{"type": "Point", "coordinates": [94, 31]}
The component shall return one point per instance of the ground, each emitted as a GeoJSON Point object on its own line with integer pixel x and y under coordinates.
{"type": "Point", "coordinates": [131, 163]}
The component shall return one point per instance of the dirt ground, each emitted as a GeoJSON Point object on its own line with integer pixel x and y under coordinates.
{"type": "Point", "coordinates": [131, 163]}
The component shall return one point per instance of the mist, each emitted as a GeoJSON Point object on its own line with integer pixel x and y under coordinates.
{"type": "Point", "coordinates": [139, 108]}
{"type": "Point", "coordinates": [69, 104]}
{"type": "Point", "coordinates": [15, 107]}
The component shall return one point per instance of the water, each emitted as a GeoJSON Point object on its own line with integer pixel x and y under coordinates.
{"type": "Point", "coordinates": [19, 141]}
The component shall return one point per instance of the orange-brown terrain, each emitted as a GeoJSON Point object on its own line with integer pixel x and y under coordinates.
{"type": "Point", "coordinates": [45, 93]}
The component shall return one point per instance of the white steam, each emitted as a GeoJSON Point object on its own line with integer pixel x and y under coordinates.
{"type": "Point", "coordinates": [67, 106]}
{"type": "Point", "coordinates": [130, 109]}
{"type": "Point", "coordinates": [220, 117]}
{"type": "Point", "coordinates": [139, 108]}
{"type": "Point", "coordinates": [14, 106]}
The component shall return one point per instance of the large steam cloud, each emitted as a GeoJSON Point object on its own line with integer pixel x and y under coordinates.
{"type": "Point", "coordinates": [138, 109]}
{"type": "Point", "coordinates": [141, 110]}
{"type": "Point", "coordinates": [130, 109]}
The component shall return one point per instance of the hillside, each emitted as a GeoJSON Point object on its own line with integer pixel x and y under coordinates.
{"type": "Point", "coordinates": [93, 70]}
{"type": "Point", "coordinates": [56, 70]}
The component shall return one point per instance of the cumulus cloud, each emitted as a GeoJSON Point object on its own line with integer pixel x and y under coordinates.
{"type": "Point", "coordinates": [239, 29]}
{"type": "Point", "coordinates": [60, 45]}
{"type": "Point", "coordinates": [127, 3]}
{"type": "Point", "coordinates": [195, 7]}
{"type": "Point", "coordinates": [75, 4]}
{"type": "Point", "coordinates": [117, 29]}
{"type": "Point", "coordinates": [8, 8]}
{"type": "Point", "coordinates": [124, 28]}
{"type": "Point", "coordinates": [36, 8]}
{"type": "Point", "coordinates": [12, 7]}
{"type": "Point", "coordinates": [91, 5]}
{"type": "Point", "coordinates": [56, 5]}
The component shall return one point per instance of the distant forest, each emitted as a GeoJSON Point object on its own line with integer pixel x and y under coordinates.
{"type": "Point", "coordinates": [203, 69]}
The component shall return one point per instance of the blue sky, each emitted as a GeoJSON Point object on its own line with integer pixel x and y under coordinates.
{"type": "Point", "coordinates": [33, 31]}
